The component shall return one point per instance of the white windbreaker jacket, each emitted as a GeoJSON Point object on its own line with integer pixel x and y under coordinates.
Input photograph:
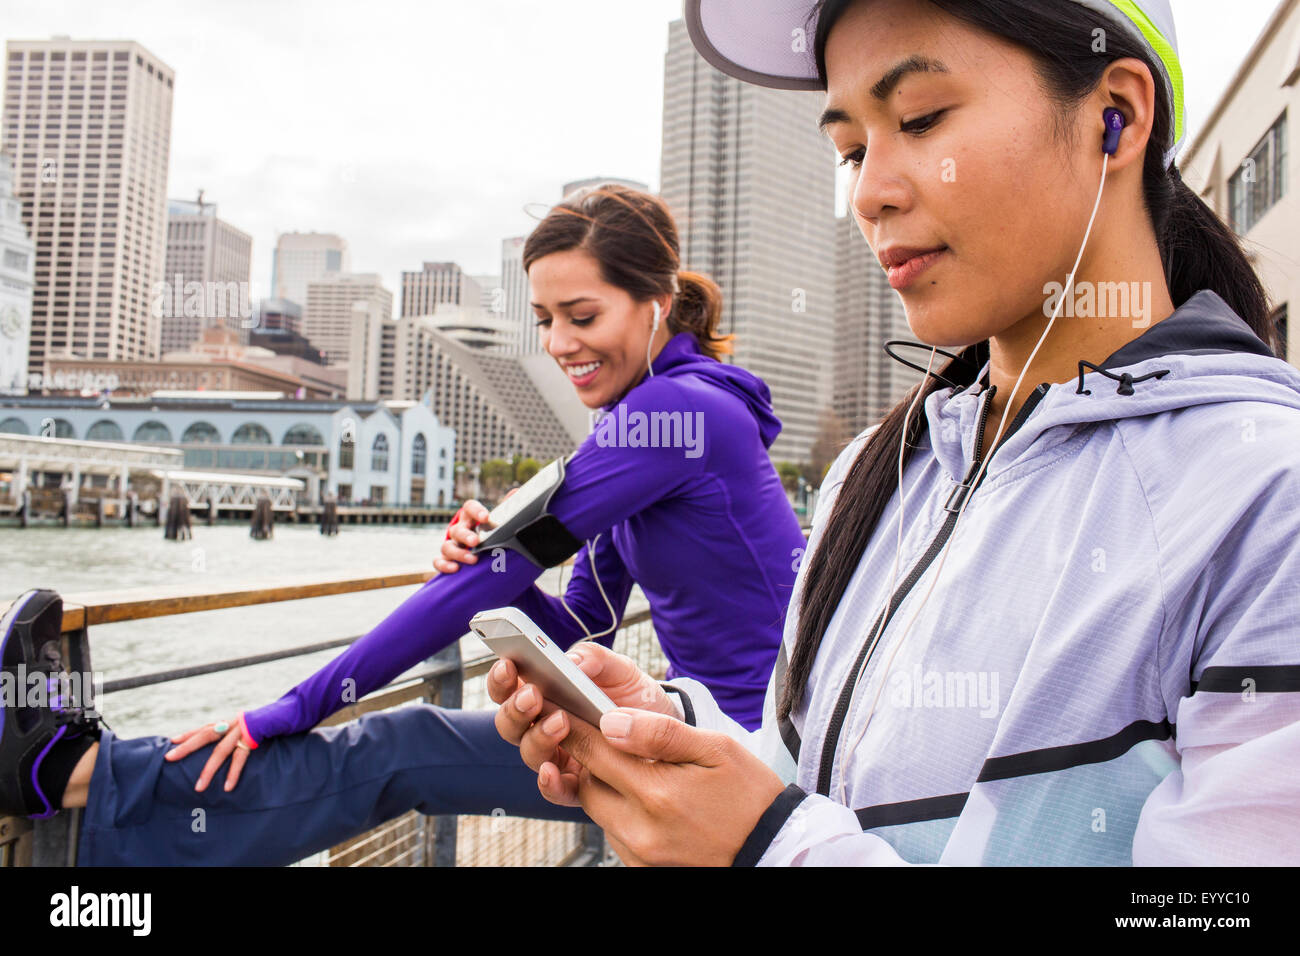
{"type": "Point", "coordinates": [1108, 669]}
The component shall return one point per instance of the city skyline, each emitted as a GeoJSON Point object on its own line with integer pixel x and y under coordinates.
{"type": "Point", "coordinates": [405, 183]}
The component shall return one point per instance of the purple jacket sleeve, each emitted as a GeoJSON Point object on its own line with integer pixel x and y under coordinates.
{"type": "Point", "coordinates": [583, 597]}
{"type": "Point", "coordinates": [604, 484]}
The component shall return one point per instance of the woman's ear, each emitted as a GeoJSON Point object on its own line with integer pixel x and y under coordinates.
{"type": "Point", "coordinates": [666, 302]}
{"type": "Point", "coordinates": [1128, 86]}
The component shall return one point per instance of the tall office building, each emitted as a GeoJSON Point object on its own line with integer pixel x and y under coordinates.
{"type": "Point", "coordinates": [516, 301]}
{"type": "Point", "coordinates": [204, 249]}
{"type": "Point", "coordinates": [17, 266]}
{"type": "Point", "coordinates": [303, 257]}
{"type": "Point", "coordinates": [751, 182]}
{"type": "Point", "coordinates": [88, 124]}
{"type": "Point", "coordinates": [438, 283]}
{"type": "Point", "coordinates": [868, 313]}
{"type": "Point", "coordinates": [333, 306]}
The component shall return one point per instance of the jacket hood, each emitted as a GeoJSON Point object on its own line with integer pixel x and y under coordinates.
{"type": "Point", "coordinates": [1203, 354]}
{"type": "Point", "coordinates": [682, 356]}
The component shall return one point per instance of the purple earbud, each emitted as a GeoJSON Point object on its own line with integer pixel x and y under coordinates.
{"type": "Point", "coordinates": [1114, 126]}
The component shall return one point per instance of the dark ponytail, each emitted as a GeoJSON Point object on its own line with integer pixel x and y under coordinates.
{"type": "Point", "coordinates": [1197, 249]}
{"type": "Point", "coordinates": [633, 237]}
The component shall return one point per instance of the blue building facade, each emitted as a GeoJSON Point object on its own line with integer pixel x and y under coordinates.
{"type": "Point", "coordinates": [363, 452]}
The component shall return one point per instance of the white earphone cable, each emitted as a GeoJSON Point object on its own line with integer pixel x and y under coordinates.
{"type": "Point", "coordinates": [943, 555]}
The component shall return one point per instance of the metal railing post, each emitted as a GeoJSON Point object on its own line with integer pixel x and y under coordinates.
{"type": "Point", "coordinates": [445, 690]}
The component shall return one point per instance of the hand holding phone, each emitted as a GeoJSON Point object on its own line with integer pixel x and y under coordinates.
{"type": "Point", "coordinates": [511, 634]}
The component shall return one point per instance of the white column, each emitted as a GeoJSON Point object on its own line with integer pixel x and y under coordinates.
{"type": "Point", "coordinates": [76, 484]}
{"type": "Point", "coordinates": [21, 480]}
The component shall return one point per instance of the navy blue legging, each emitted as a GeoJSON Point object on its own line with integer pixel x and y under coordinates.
{"type": "Point", "coordinates": [301, 794]}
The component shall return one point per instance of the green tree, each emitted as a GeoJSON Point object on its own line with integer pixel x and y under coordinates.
{"type": "Point", "coordinates": [789, 473]}
{"type": "Point", "coordinates": [525, 468]}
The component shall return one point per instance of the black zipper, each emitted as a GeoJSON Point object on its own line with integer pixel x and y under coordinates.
{"type": "Point", "coordinates": [953, 507]}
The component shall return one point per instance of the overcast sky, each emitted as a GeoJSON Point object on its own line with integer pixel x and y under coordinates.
{"type": "Point", "coordinates": [429, 130]}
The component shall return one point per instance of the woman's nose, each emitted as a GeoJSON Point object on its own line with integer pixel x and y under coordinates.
{"type": "Point", "coordinates": [878, 185]}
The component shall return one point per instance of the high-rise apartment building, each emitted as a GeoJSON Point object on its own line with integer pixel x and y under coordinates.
{"type": "Point", "coordinates": [868, 313]}
{"type": "Point", "coordinates": [751, 182]}
{"type": "Point", "coordinates": [204, 249]}
{"type": "Point", "coordinates": [303, 257]}
{"type": "Point", "coordinates": [17, 266]}
{"type": "Point", "coordinates": [515, 298]}
{"type": "Point", "coordinates": [333, 306]}
{"type": "Point", "coordinates": [88, 124]}
{"type": "Point", "coordinates": [438, 283]}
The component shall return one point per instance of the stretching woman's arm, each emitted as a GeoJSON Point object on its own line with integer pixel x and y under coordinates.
{"type": "Point", "coordinates": [602, 486]}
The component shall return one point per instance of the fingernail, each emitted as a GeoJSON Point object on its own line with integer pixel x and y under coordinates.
{"type": "Point", "coordinates": [553, 723]}
{"type": "Point", "coordinates": [526, 699]}
{"type": "Point", "coordinates": [544, 776]}
{"type": "Point", "coordinates": [168, 755]}
{"type": "Point", "coordinates": [473, 540]}
{"type": "Point", "coordinates": [616, 725]}
{"type": "Point", "coordinates": [498, 671]}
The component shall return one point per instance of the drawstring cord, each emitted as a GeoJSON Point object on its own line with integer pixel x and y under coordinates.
{"type": "Point", "coordinates": [1125, 379]}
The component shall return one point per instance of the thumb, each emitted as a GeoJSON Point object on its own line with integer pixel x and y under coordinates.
{"type": "Point", "coordinates": [660, 737]}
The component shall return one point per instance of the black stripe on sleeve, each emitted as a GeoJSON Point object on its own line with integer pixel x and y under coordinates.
{"type": "Point", "coordinates": [768, 826]}
{"type": "Point", "coordinates": [1267, 679]}
{"type": "Point", "coordinates": [912, 811]}
{"type": "Point", "coordinates": [1052, 759]}
{"type": "Point", "coordinates": [789, 735]}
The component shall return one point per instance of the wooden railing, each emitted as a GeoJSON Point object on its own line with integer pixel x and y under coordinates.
{"type": "Point", "coordinates": [412, 839]}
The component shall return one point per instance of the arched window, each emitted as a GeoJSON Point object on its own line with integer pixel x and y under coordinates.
{"type": "Point", "coordinates": [379, 454]}
{"type": "Point", "coordinates": [201, 433]}
{"type": "Point", "coordinates": [419, 452]}
{"type": "Point", "coordinates": [250, 433]}
{"type": "Point", "coordinates": [14, 426]}
{"type": "Point", "coordinates": [57, 428]}
{"type": "Point", "coordinates": [105, 430]}
{"type": "Point", "coordinates": [303, 434]}
{"type": "Point", "coordinates": [153, 431]}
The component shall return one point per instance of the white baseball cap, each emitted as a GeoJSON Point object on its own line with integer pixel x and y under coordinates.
{"type": "Point", "coordinates": [770, 42]}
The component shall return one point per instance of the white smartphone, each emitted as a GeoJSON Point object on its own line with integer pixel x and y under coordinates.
{"type": "Point", "coordinates": [510, 633]}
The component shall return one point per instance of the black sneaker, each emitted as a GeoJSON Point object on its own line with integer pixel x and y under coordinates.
{"type": "Point", "coordinates": [31, 723]}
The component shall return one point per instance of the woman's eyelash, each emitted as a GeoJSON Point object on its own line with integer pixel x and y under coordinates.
{"type": "Point", "coordinates": [576, 320]}
{"type": "Point", "coordinates": [917, 126]}
{"type": "Point", "coordinates": [923, 123]}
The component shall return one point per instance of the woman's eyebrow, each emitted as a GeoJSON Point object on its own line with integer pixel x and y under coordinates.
{"type": "Point", "coordinates": [885, 86]}
{"type": "Point", "coordinates": [568, 304]}
{"type": "Point", "coordinates": [913, 64]}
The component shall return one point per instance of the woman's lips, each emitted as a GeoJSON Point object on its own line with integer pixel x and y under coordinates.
{"type": "Point", "coordinates": [904, 274]}
{"type": "Point", "coordinates": [588, 374]}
